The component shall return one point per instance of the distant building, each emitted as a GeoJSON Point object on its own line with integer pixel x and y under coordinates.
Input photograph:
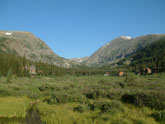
{"type": "Point", "coordinates": [32, 70]}
{"type": "Point", "coordinates": [106, 74]}
{"type": "Point", "coordinates": [145, 71]}
{"type": "Point", "coordinates": [149, 71]}
{"type": "Point", "coordinates": [121, 73]}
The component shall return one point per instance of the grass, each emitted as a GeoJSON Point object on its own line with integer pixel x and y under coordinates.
{"type": "Point", "coordinates": [64, 114]}
{"type": "Point", "coordinates": [84, 99]}
{"type": "Point", "coordinates": [13, 107]}
{"type": "Point", "coordinates": [13, 110]}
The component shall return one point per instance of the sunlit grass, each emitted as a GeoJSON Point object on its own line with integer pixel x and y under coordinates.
{"type": "Point", "coordinates": [64, 114]}
{"type": "Point", "coordinates": [11, 107]}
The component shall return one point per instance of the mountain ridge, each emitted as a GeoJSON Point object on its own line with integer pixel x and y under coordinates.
{"type": "Point", "coordinates": [27, 44]}
{"type": "Point", "coordinates": [120, 48]}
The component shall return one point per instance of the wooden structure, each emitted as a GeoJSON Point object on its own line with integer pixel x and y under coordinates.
{"type": "Point", "coordinates": [149, 71]}
{"type": "Point", "coordinates": [32, 71]}
{"type": "Point", "coordinates": [144, 71]}
{"type": "Point", "coordinates": [121, 73]}
{"type": "Point", "coordinates": [106, 74]}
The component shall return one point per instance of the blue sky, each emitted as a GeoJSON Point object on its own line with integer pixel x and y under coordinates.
{"type": "Point", "coordinates": [77, 28]}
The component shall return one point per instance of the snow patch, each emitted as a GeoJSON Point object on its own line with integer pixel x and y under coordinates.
{"type": "Point", "coordinates": [8, 33]}
{"type": "Point", "coordinates": [128, 37]}
{"type": "Point", "coordinates": [125, 37]}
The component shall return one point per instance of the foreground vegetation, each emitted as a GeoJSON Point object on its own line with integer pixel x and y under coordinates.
{"type": "Point", "coordinates": [97, 99]}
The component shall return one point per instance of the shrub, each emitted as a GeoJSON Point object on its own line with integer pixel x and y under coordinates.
{"type": "Point", "coordinates": [64, 97]}
{"type": "Point", "coordinates": [80, 108]}
{"type": "Point", "coordinates": [122, 85]}
{"type": "Point", "coordinates": [151, 99]}
{"type": "Point", "coordinates": [52, 100]}
{"type": "Point", "coordinates": [159, 116]}
{"type": "Point", "coordinates": [130, 78]}
{"type": "Point", "coordinates": [102, 81]}
{"type": "Point", "coordinates": [4, 92]}
{"type": "Point", "coordinates": [106, 105]}
{"type": "Point", "coordinates": [46, 87]}
{"type": "Point", "coordinates": [92, 95]}
{"type": "Point", "coordinates": [120, 121]}
{"type": "Point", "coordinates": [0, 73]}
{"type": "Point", "coordinates": [140, 122]}
{"type": "Point", "coordinates": [9, 76]}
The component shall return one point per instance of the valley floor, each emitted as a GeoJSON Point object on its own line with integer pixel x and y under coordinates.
{"type": "Point", "coordinates": [131, 99]}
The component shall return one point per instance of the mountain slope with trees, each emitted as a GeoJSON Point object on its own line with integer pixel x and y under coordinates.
{"type": "Point", "coordinates": [120, 48]}
{"type": "Point", "coordinates": [152, 56]}
{"type": "Point", "coordinates": [25, 44]}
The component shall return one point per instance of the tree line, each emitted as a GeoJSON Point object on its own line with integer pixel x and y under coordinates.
{"type": "Point", "coordinates": [153, 56]}
{"type": "Point", "coordinates": [19, 66]}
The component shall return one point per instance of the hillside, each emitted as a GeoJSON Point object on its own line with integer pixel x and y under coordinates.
{"type": "Point", "coordinates": [77, 61]}
{"type": "Point", "coordinates": [152, 56]}
{"type": "Point", "coordinates": [120, 48]}
{"type": "Point", "coordinates": [28, 45]}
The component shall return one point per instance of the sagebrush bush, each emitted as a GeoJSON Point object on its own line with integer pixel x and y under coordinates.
{"type": "Point", "coordinates": [9, 76]}
{"type": "Point", "coordinates": [81, 108]}
{"type": "Point", "coordinates": [106, 105]}
{"type": "Point", "coordinates": [46, 87]}
{"type": "Point", "coordinates": [150, 99]}
{"type": "Point", "coordinates": [92, 94]}
{"type": "Point", "coordinates": [130, 78]}
{"type": "Point", "coordinates": [159, 116]}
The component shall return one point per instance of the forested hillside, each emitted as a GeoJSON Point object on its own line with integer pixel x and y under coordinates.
{"type": "Point", "coordinates": [19, 66]}
{"type": "Point", "coordinates": [27, 44]}
{"type": "Point", "coordinates": [120, 48]}
{"type": "Point", "coordinates": [152, 56]}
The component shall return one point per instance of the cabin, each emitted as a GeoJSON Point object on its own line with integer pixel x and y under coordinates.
{"type": "Point", "coordinates": [145, 71]}
{"type": "Point", "coordinates": [149, 71]}
{"type": "Point", "coordinates": [121, 73]}
{"type": "Point", "coordinates": [32, 70]}
{"type": "Point", "coordinates": [106, 74]}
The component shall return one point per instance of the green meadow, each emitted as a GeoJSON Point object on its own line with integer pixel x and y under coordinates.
{"type": "Point", "coordinates": [98, 99]}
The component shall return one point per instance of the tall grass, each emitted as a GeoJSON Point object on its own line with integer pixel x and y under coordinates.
{"type": "Point", "coordinates": [65, 114]}
{"type": "Point", "coordinates": [13, 107]}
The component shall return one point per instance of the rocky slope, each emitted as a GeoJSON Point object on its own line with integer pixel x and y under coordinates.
{"type": "Point", "coordinates": [28, 45]}
{"type": "Point", "coordinates": [120, 48]}
{"type": "Point", "coordinates": [77, 61]}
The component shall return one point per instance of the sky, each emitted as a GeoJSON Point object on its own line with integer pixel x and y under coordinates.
{"type": "Point", "coordinates": [77, 28]}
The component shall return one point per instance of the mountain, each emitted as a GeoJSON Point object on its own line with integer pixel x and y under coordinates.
{"type": "Point", "coordinates": [28, 45]}
{"type": "Point", "coordinates": [25, 44]}
{"type": "Point", "coordinates": [120, 48]}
